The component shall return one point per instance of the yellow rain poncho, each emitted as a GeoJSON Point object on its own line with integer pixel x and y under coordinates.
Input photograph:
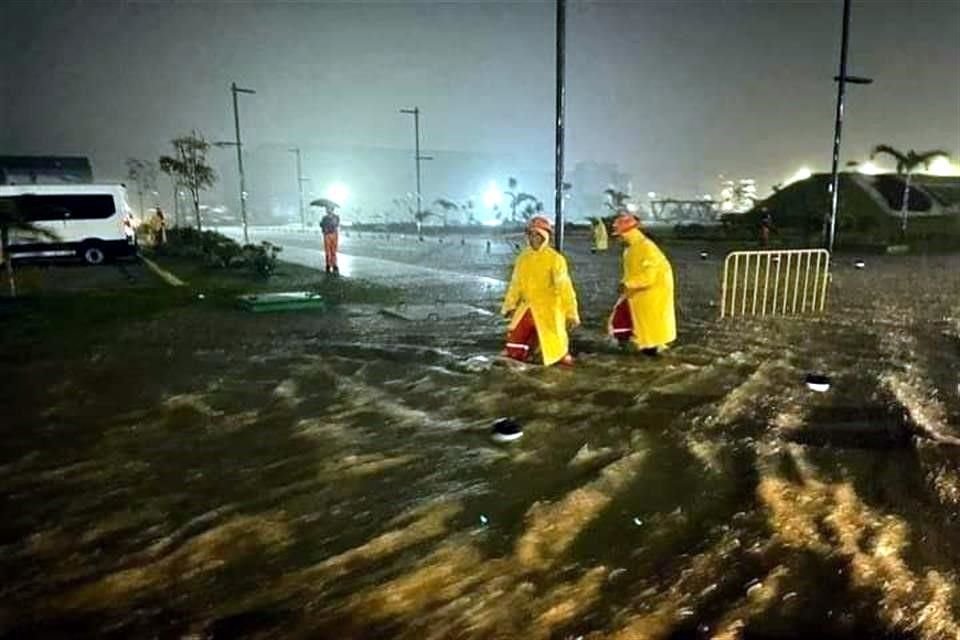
{"type": "Point", "coordinates": [541, 284]}
{"type": "Point", "coordinates": [648, 288]}
{"type": "Point", "coordinates": [599, 235]}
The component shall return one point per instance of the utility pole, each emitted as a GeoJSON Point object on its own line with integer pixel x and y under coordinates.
{"type": "Point", "coordinates": [415, 112]}
{"type": "Point", "coordinates": [300, 181]}
{"type": "Point", "coordinates": [234, 89]}
{"type": "Point", "coordinates": [561, 104]}
{"type": "Point", "coordinates": [830, 225]}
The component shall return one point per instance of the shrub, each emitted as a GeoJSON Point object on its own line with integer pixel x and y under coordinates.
{"type": "Point", "coordinates": [218, 250]}
{"type": "Point", "coordinates": [261, 258]}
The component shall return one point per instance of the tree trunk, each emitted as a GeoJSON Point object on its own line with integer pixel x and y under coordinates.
{"type": "Point", "coordinates": [905, 206]}
{"type": "Point", "coordinates": [8, 259]}
{"type": "Point", "coordinates": [196, 208]}
{"type": "Point", "coordinates": [176, 205]}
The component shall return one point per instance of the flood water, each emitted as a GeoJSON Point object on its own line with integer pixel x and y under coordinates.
{"type": "Point", "coordinates": [207, 473]}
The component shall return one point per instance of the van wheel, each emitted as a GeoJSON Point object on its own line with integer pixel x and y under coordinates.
{"type": "Point", "coordinates": [92, 254]}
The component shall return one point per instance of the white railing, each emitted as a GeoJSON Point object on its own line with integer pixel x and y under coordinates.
{"type": "Point", "coordinates": [775, 283]}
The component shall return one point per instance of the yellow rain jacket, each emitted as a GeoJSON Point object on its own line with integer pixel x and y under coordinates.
{"type": "Point", "coordinates": [599, 236]}
{"type": "Point", "coordinates": [541, 284]}
{"type": "Point", "coordinates": [648, 288]}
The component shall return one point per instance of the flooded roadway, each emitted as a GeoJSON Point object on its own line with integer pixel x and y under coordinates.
{"type": "Point", "coordinates": [209, 474]}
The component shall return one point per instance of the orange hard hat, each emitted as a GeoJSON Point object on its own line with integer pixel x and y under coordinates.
{"type": "Point", "coordinates": [539, 223]}
{"type": "Point", "coordinates": [625, 222]}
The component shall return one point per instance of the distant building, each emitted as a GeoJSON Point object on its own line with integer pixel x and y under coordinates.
{"type": "Point", "coordinates": [45, 170]}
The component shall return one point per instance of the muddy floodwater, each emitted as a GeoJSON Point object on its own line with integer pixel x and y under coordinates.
{"type": "Point", "coordinates": [207, 473]}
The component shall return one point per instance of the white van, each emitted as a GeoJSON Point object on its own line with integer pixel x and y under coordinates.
{"type": "Point", "coordinates": [87, 219]}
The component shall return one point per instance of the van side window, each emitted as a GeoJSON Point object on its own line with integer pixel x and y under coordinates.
{"type": "Point", "coordinates": [72, 207]}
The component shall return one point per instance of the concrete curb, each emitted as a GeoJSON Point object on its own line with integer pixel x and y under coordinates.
{"type": "Point", "coordinates": [165, 275]}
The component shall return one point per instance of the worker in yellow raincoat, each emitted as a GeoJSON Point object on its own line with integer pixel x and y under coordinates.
{"type": "Point", "coordinates": [541, 300]}
{"type": "Point", "coordinates": [644, 313]}
{"type": "Point", "coordinates": [599, 235]}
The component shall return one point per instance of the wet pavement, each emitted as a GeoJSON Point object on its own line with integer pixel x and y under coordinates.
{"type": "Point", "coordinates": [212, 474]}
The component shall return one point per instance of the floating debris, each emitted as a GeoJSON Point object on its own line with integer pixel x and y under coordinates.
{"type": "Point", "coordinates": [704, 255]}
{"type": "Point", "coordinates": [859, 264]}
{"type": "Point", "coordinates": [638, 522]}
{"type": "Point", "coordinates": [200, 296]}
{"type": "Point", "coordinates": [817, 382]}
{"type": "Point", "coordinates": [506, 430]}
{"type": "Point", "coordinates": [616, 573]}
{"type": "Point", "coordinates": [484, 521]}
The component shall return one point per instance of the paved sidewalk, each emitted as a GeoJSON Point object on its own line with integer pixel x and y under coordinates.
{"type": "Point", "coordinates": [425, 281]}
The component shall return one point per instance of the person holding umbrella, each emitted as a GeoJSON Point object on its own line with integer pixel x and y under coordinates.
{"type": "Point", "coordinates": [330, 226]}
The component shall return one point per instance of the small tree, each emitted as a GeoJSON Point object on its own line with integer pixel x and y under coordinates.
{"type": "Point", "coordinates": [907, 163]}
{"type": "Point", "coordinates": [517, 198]}
{"type": "Point", "coordinates": [12, 219]}
{"type": "Point", "coordinates": [408, 208]}
{"type": "Point", "coordinates": [447, 206]}
{"type": "Point", "coordinates": [189, 167]}
{"type": "Point", "coordinates": [142, 174]}
{"type": "Point", "coordinates": [471, 216]}
{"type": "Point", "coordinates": [616, 200]}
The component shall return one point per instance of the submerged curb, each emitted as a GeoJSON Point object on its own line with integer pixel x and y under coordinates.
{"type": "Point", "coordinates": [165, 275]}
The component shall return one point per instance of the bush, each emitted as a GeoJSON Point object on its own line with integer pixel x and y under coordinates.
{"type": "Point", "coordinates": [262, 258]}
{"type": "Point", "coordinates": [217, 250]}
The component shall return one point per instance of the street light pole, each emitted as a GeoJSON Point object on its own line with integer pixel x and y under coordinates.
{"type": "Point", "coordinates": [296, 150]}
{"type": "Point", "coordinates": [830, 226]}
{"type": "Point", "coordinates": [561, 103]}
{"type": "Point", "coordinates": [234, 89]}
{"type": "Point", "coordinates": [415, 112]}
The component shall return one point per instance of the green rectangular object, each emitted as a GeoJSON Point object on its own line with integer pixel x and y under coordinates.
{"type": "Point", "coordinates": [282, 301]}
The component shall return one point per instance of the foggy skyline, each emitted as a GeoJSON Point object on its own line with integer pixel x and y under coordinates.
{"type": "Point", "coordinates": [675, 93]}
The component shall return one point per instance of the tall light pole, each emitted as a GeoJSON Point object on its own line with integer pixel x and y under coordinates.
{"type": "Point", "coordinates": [234, 89]}
{"type": "Point", "coordinates": [415, 112]}
{"type": "Point", "coordinates": [830, 226]}
{"type": "Point", "coordinates": [300, 181]}
{"type": "Point", "coordinates": [561, 104]}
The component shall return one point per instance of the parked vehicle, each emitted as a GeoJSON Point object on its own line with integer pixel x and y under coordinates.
{"type": "Point", "coordinates": [92, 222]}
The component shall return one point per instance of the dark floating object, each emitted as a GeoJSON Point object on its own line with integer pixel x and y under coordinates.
{"type": "Point", "coordinates": [704, 255]}
{"type": "Point", "coordinates": [818, 382]}
{"type": "Point", "coordinates": [859, 264]}
{"type": "Point", "coordinates": [506, 430]}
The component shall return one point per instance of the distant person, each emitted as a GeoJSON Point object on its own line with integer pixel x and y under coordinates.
{"type": "Point", "coordinates": [129, 228]}
{"type": "Point", "coordinates": [160, 228]}
{"type": "Point", "coordinates": [600, 241]}
{"type": "Point", "coordinates": [644, 314]}
{"type": "Point", "coordinates": [330, 225]}
{"type": "Point", "coordinates": [766, 226]}
{"type": "Point", "coordinates": [541, 300]}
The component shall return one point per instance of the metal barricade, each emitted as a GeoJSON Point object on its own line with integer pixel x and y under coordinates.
{"type": "Point", "coordinates": [775, 283]}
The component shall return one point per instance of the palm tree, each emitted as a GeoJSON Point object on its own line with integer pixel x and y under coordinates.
{"type": "Point", "coordinates": [616, 200]}
{"type": "Point", "coordinates": [517, 198]}
{"type": "Point", "coordinates": [448, 206]}
{"type": "Point", "coordinates": [11, 219]}
{"type": "Point", "coordinates": [907, 163]}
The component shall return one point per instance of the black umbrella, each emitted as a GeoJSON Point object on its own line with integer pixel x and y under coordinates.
{"type": "Point", "coordinates": [325, 203]}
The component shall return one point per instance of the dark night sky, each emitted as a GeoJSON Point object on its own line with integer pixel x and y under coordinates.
{"type": "Point", "coordinates": [675, 92]}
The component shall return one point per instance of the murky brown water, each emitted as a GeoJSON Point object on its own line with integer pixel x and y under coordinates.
{"type": "Point", "coordinates": [209, 474]}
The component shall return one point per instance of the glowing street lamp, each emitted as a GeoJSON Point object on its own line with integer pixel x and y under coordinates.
{"type": "Point", "coordinates": [338, 192]}
{"type": "Point", "coordinates": [941, 166]}
{"type": "Point", "coordinates": [492, 197]}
